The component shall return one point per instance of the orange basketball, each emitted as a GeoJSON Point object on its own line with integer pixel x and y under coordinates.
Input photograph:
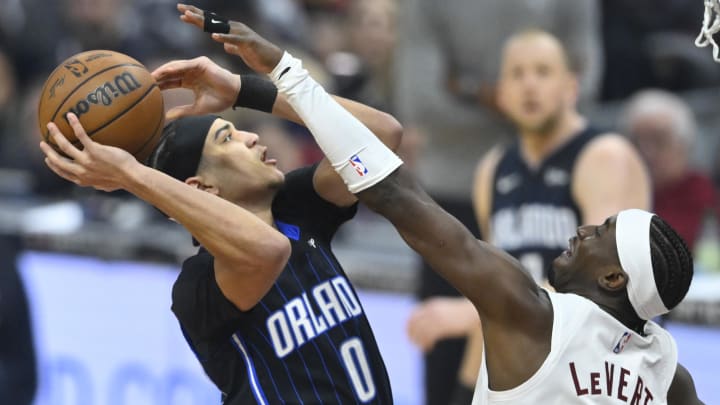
{"type": "Point", "coordinates": [113, 95]}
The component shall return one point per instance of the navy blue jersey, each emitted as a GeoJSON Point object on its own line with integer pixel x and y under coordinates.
{"type": "Point", "coordinates": [308, 340]}
{"type": "Point", "coordinates": [533, 210]}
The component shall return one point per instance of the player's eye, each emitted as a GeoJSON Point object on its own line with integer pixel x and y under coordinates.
{"type": "Point", "coordinates": [227, 137]}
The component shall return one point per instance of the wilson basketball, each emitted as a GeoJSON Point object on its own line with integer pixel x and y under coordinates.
{"type": "Point", "coordinates": [113, 95]}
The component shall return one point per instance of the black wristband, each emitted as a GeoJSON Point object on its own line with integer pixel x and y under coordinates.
{"type": "Point", "coordinates": [256, 93]}
{"type": "Point", "coordinates": [215, 24]}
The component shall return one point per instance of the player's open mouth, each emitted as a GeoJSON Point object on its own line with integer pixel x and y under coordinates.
{"type": "Point", "coordinates": [571, 247]}
{"type": "Point", "coordinates": [266, 160]}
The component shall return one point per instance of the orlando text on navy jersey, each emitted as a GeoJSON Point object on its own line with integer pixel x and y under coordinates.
{"type": "Point", "coordinates": [533, 210]}
{"type": "Point", "coordinates": [308, 340]}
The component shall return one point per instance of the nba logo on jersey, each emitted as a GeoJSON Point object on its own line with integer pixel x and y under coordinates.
{"type": "Point", "coordinates": [622, 342]}
{"type": "Point", "coordinates": [358, 165]}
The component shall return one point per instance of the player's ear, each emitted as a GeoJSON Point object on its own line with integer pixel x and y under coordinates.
{"type": "Point", "coordinates": [612, 278]}
{"type": "Point", "coordinates": [198, 183]}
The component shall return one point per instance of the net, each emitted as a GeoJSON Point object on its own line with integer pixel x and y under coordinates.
{"type": "Point", "coordinates": [711, 25]}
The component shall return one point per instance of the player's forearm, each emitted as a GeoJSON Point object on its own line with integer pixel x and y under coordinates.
{"type": "Point", "coordinates": [448, 247]}
{"type": "Point", "coordinates": [383, 125]}
{"type": "Point", "coordinates": [227, 230]}
{"type": "Point", "coordinates": [355, 153]}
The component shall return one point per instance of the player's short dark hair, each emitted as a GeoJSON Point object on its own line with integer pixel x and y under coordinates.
{"type": "Point", "coordinates": [180, 148]}
{"type": "Point", "coordinates": [672, 262]}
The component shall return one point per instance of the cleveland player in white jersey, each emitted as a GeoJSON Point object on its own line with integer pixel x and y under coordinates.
{"type": "Point", "coordinates": [592, 341]}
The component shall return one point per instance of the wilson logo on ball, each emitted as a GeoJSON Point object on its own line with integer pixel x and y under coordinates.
{"type": "Point", "coordinates": [76, 67]}
{"type": "Point", "coordinates": [122, 85]}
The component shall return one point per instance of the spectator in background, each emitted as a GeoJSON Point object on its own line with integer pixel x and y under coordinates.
{"type": "Point", "coordinates": [445, 73]}
{"type": "Point", "coordinates": [371, 41]}
{"type": "Point", "coordinates": [560, 173]}
{"type": "Point", "coordinates": [663, 127]}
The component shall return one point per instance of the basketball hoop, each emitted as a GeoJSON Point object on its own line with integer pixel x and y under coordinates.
{"type": "Point", "coordinates": [711, 26]}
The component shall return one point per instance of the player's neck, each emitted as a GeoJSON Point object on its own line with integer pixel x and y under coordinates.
{"type": "Point", "coordinates": [262, 208]}
{"type": "Point", "coordinates": [536, 146]}
{"type": "Point", "coordinates": [626, 317]}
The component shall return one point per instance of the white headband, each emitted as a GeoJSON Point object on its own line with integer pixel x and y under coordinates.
{"type": "Point", "coordinates": [632, 237]}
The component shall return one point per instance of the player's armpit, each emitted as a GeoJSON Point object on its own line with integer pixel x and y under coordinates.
{"type": "Point", "coordinates": [682, 389]}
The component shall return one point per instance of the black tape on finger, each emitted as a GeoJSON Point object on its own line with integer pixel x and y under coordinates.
{"type": "Point", "coordinates": [215, 24]}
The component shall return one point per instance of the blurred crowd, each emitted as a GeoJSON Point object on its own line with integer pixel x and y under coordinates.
{"type": "Point", "coordinates": [434, 65]}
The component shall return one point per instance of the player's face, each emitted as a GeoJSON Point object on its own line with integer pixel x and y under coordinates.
{"type": "Point", "coordinates": [589, 252]}
{"type": "Point", "coordinates": [237, 162]}
{"type": "Point", "coordinates": [535, 85]}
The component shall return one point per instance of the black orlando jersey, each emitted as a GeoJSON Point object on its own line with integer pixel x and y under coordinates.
{"type": "Point", "coordinates": [533, 210]}
{"type": "Point", "coordinates": [308, 340]}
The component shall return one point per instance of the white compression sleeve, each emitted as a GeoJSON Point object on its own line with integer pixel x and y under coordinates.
{"type": "Point", "coordinates": [355, 153]}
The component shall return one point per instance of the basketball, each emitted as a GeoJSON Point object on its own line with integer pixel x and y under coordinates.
{"type": "Point", "coordinates": [114, 97]}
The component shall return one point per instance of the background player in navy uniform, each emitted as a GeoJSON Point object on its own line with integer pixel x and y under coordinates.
{"type": "Point", "coordinates": [558, 174]}
{"type": "Point", "coordinates": [265, 305]}
{"type": "Point", "coordinates": [542, 347]}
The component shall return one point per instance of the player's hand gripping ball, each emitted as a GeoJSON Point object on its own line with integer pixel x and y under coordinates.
{"type": "Point", "coordinates": [114, 96]}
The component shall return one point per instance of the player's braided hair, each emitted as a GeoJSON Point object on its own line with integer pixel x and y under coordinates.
{"type": "Point", "coordinates": [672, 262]}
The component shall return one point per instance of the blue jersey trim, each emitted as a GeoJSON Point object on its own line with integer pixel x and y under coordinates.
{"type": "Point", "coordinates": [254, 383]}
{"type": "Point", "coordinates": [289, 230]}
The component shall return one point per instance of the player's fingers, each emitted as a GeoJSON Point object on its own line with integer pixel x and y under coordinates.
{"type": "Point", "coordinates": [61, 165]}
{"type": "Point", "coordinates": [173, 69]}
{"type": "Point", "coordinates": [231, 39]}
{"type": "Point", "coordinates": [187, 7]}
{"type": "Point", "coordinates": [79, 131]}
{"type": "Point", "coordinates": [62, 143]}
{"type": "Point", "coordinates": [170, 84]}
{"type": "Point", "coordinates": [60, 171]}
{"type": "Point", "coordinates": [49, 151]}
{"type": "Point", "coordinates": [179, 112]}
{"type": "Point", "coordinates": [421, 341]}
{"type": "Point", "coordinates": [193, 18]}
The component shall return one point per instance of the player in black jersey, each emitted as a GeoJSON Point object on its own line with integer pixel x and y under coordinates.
{"type": "Point", "coordinates": [558, 174]}
{"type": "Point", "coordinates": [265, 306]}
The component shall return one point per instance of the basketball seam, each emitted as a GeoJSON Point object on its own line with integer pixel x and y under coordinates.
{"type": "Point", "coordinates": [155, 134]}
{"type": "Point", "coordinates": [62, 103]}
{"type": "Point", "coordinates": [121, 113]}
{"type": "Point", "coordinates": [77, 143]}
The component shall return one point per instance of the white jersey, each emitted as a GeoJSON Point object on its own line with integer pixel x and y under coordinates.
{"type": "Point", "coordinates": [593, 359]}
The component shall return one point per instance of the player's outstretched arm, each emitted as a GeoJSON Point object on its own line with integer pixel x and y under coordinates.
{"type": "Point", "coordinates": [493, 280]}
{"type": "Point", "coordinates": [216, 89]}
{"type": "Point", "coordinates": [471, 266]}
{"type": "Point", "coordinates": [682, 389]}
